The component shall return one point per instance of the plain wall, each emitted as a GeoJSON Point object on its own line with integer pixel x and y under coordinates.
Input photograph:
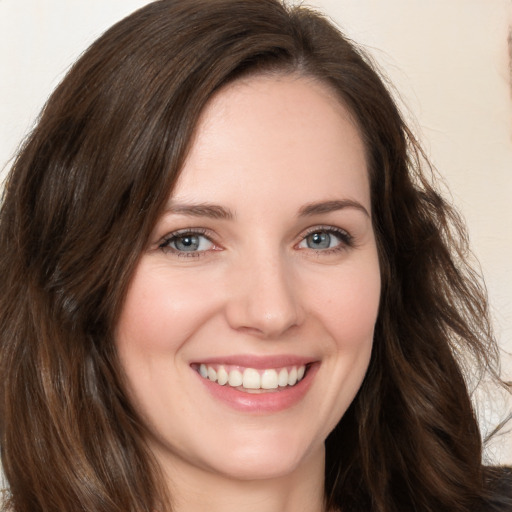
{"type": "Point", "coordinates": [449, 60]}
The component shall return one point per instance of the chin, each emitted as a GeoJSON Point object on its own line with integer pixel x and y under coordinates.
{"type": "Point", "coordinates": [266, 459]}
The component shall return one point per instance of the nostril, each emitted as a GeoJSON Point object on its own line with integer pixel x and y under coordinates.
{"type": "Point", "coordinates": [261, 299]}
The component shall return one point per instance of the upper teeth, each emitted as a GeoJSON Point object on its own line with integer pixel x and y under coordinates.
{"type": "Point", "coordinates": [249, 378]}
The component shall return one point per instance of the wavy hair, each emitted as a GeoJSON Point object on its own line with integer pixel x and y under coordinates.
{"type": "Point", "coordinates": [81, 200]}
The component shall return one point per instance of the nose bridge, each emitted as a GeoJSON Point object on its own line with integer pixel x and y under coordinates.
{"type": "Point", "coordinates": [263, 299]}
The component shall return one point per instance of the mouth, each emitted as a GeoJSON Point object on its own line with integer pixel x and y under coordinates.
{"type": "Point", "coordinates": [252, 380]}
{"type": "Point", "coordinates": [257, 384]}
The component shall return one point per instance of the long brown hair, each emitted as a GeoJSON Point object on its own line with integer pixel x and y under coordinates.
{"type": "Point", "coordinates": [78, 207]}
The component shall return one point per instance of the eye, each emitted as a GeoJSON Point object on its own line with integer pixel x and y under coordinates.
{"type": "Point", "coordinates": [186, 243]}
{"type": "Point", "coordinates": [322, 239]}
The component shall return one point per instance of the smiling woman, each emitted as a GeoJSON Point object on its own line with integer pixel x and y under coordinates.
{"type": "Point", "coordinates": [227, 283]}
{"type": "Point", "coordinates": [277, 300]}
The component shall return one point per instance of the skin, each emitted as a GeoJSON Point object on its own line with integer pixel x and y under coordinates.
{"type": "Point", "coordinates": [266, 148]}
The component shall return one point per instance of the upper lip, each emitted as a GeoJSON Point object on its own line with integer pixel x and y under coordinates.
{"type": "Point", "coordinates": [258, 362]}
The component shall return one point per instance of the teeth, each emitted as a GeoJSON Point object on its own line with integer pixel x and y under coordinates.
{"type": "Point", "coordinates": [250, 378]}
{"type": "Point", "coordinates": [269, 379]}
{"type": "Point", "coordinates": [222, 376]}
{"type": "Point", "coordinates": [282, 379]}
{"type": "Point", "coordinates": [292, 376]}
{"type": "Point", "coordinates": [212, 374]}
{"type": "Point", "coordinates": [235, 378]}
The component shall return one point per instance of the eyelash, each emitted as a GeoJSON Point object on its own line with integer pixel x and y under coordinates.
{"type": "Point", "coordinates": [346, 241]}
{"type": "Point", "coordinates": [164, 245]}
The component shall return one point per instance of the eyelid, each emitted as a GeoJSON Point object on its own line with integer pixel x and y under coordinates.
{"type": "Point", "coordinates": [347, 240]}
{"type": "Point", "coordinates": [324, 227]}
{"type": "Point", "coordinates": [163, 243]}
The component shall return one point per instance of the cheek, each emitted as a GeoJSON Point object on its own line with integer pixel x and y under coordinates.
{"type": "Point", "coordinates": [347, 311]}
{"type": "Point", "coordinates": [162, 309]}
{"type": "Point", "coordinates": [349, 305]}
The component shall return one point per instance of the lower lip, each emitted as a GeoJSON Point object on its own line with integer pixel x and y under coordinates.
{"type": "Point", "coordinates": [265, 402]}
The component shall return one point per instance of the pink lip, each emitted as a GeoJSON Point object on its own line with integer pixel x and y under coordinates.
{"type": "Point", "coordinates": [267, 402]}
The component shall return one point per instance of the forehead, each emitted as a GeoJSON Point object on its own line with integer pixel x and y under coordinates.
{"type": "Point", "coordinates": [278, 135]}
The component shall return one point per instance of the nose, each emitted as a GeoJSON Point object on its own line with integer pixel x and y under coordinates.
{"type": "Point", "coordinates": [263, 297]}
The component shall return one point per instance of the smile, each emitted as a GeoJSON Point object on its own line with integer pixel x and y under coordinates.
{"type": "Point", "coordinates": [251, 379]}
{"type": "Point", "coordinates": [257, 385]}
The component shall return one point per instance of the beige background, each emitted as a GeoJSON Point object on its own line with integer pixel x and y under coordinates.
{"type": "Point", "coordinates": [449, 60]}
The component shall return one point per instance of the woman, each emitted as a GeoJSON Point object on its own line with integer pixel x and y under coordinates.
{"type": "Point", "coordinates": [227, 282]}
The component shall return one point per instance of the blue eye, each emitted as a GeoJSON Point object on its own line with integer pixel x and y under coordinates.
{"type": "Point", "coordinates": [319, 240]}
{"type": "Point", "coordinates": [187, 242]}
{"type": "Point", "coordinates": [323, 239]}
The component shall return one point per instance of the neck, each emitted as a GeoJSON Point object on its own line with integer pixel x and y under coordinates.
{"type": "Point", "coordinates": [196, 490]}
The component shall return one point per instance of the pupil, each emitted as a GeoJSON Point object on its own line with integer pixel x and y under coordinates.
{"type": "Point", "coordinates": [319, 240]}
{"type": "Point", "coordinates": [187, 243]}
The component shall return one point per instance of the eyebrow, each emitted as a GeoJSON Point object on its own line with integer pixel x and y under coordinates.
{"type": "Point", "coordinates": [215, 211]}
{"type": "Point", "coordinates": [331, 206]}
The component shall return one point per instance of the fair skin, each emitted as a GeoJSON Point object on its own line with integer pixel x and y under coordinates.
{"type": "Point", "coordinates": [263, 268]}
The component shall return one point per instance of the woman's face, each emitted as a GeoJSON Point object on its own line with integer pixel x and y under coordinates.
{"type": "Point", "coordinates": [248, 325]}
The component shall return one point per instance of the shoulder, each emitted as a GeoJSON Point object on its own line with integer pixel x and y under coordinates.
{"type": "Point", "coordinates": [499, 489]}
